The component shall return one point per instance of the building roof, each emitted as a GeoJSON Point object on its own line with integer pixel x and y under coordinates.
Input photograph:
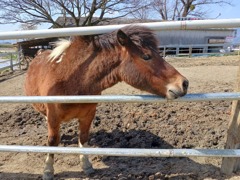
{"type": "Point", "coordinates": [36, 42]}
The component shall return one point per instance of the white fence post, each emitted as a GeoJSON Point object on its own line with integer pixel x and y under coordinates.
{"type": "Point", "coordinates": [190, 51]}
{"type": "Point", "coordinates": [11, 62]}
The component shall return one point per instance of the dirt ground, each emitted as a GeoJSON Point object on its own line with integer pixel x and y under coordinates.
{"type": "Point", "coordinates": [138, 125]}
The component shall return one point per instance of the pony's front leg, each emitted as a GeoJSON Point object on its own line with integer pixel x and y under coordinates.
{"type": "Point", "coordinates": [48, 172]}
{"type": "Point", "coordinates": [84, 161]}
{"type": "Point", "coordinates": [84, 126]}
{"type": "Point", "coordinates": [53, 140]}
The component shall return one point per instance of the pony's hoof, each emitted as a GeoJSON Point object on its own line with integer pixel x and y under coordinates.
{"type": "Point", "coordinates": [48, 176]}
{"type": "Point", "coordinates": [88, 171]}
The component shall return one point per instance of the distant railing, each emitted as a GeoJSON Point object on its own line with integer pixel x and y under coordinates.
{"type": "Point", "coordinates": [9, 61]}
{"type": "Point", "coordinates": [192, 50]}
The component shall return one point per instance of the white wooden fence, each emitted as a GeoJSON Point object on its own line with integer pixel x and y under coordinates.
{"type": "Point", "coordinates": [10, 62]}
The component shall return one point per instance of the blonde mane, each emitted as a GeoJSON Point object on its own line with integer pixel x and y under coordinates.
{"type": "Point", "coordinates": [60, 47]}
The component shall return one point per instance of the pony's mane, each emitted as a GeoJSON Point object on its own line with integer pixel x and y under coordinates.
{"type": "Point", "coordinates": [60, 47]}
{"type": "Point", "coordinates": [141, 36]}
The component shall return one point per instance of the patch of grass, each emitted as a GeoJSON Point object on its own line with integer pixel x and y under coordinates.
{"type": "Point", "coordinates": [6, 46]}
{"type": "Point", "coordinates": [5, 71]}
{"type": "Point", "coordinates": [8, 56]}
{"type": "Point", "coordinates": [14, 56]}
{"type": "Point", "coordinates": [235, 53]}
{"type": "Point", "coordinates": [182, 55]}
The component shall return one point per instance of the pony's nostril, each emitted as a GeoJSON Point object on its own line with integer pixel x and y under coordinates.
{"type": "Point", "coordinates": [185, 85]}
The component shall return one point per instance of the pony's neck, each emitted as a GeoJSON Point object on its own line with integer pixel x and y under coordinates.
{"type": "Point", "coordinates": [104, 72]}
{"type": "Point", "coordinates": [94, 69]}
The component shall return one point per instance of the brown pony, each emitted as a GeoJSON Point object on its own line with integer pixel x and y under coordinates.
{"type": "Point", "coordinates": [86, 66]}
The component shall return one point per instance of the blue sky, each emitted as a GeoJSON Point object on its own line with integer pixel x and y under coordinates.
{"type": "Point", "coordinates": [227, 12]}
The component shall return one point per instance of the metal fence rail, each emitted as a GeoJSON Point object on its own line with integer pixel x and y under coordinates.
{"type": "Point", "coordinates": [118, 98]}
{"type": "Point", "coordinates": [121, 151]}
{"type": "Point", "coordinates": [172, 25]}
{"type": "Point", "coordinates": [124, 151]}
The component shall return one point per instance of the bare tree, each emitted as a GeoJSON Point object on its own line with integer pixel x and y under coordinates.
{"type": "Point", "coordinates": [82, 12]}
{"type": "Point", "coordinates": [170, 9]}
{"type": "Point", "coordinates": [143, 9]}
{"type": "Point", "coordinates": [27, 27]}
{"type": "Point", "coordinates": [167, 9]}
{"type": "Point", "coordinates": [194, 7]}
{"type": "Point", "coordinates": [92, 12]}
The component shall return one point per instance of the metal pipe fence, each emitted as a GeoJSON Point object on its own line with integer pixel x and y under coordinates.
{"type": "Point", "coordinates": [122, 151]}
{"type": "Point", "coordinates": [119, 98]}
{"type": "Point", "coordinates": [200, 24]}
{"type": "Point", "coordinates": [172, 25]}
{"type": "Point", "coordinates": [133, 152]}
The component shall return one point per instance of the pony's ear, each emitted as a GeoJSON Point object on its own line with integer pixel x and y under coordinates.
{"type": "Point", "coordinates": [123, 39]}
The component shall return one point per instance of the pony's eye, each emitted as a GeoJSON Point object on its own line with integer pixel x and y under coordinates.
{"type": "Point", "coordinates": [146, 57]}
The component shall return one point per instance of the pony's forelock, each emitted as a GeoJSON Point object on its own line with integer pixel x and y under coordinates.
{"type": "Point", "coordinates": [60, 47]}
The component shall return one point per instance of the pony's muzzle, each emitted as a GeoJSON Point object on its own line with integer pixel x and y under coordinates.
{"type": "Point", "coordinates": [185, 85]}
{"type": "Point", "coordinates": [177, 90]}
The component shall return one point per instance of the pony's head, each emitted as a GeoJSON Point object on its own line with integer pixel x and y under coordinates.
{"type": "Point", "coordinates": [143, 67]}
